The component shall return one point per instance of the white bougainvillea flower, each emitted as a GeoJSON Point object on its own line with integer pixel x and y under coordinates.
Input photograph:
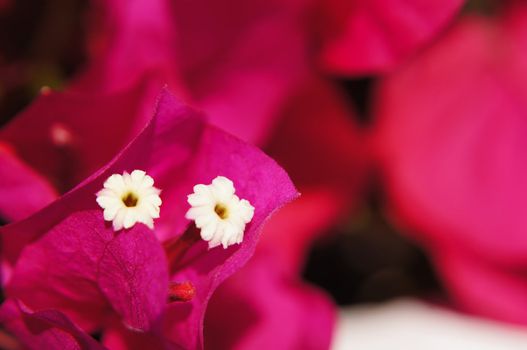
{"type": "Point", "coordinates": [128, 199]}
{"type": "Point", "coordinates": [219, 213]}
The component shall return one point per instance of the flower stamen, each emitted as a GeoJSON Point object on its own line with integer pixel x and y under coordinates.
{"type": "Point", "coordinates": [221, 210]}
{"type": "Point", "coordinates": [130, 199]}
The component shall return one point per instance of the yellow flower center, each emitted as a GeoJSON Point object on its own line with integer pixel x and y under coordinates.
{"type": "Point", "coordinates": [221, 210]}
{"type": "Point", "coordinates": [130, 199]}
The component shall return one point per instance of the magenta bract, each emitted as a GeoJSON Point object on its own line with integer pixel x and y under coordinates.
{"type": "Point", "coordinates": [234, 60]}
{"type": "Point", "coordinates": [373, 36]}
{"type": "Point", "coordinates": [451, 135]}
{"type": "Point", "coordinates": [46, 329]}
{"type": "Point", "coordinates": [66, 257]}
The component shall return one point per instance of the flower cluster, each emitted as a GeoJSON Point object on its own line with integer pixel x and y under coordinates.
{"type": "Point", "coordinates": [98, 244]}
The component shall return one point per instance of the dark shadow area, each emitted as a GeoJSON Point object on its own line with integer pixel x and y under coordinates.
{"type": "Point", "coordinates": [41, 43]}
{"type": "Point", "coordinates": [359, 91]}
{"type": "Point", "coordinates": [369, 261]}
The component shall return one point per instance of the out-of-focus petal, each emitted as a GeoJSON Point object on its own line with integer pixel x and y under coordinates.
{"type": "Point", "coordinates": [291, 232]}
{"type": "Point", "coordinates": [451, 136]}
{"type": "Point", "coordinates": [126, 39]}
{"type": "Point", "coordinates": [23, 190]}
{"type": "Point", "coordinates": [67, 136]}
{"type": "Point", "coordinates": [118, 337]}
{"type": "Point", "coordinates": [483, 287]}
{"type": "Point", "coordinates": [266, 307]}
{"type": "Point", "coordinates": [372, 36]}
{"type": "Point", "coordinates": [239, 60]}
{"type": "Point", "coordinates": [235, 64]}
{"type": "Point", "coordinates": [319, 144]}
{"type": "Point", "coordinates": [47, 329]}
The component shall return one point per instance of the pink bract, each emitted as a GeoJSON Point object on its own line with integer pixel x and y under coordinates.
{"type": "Point", "coordinates": [236, 60]}
{"type": "Point", "coordinates": [65, 257]}
{"type": "Point", "coordinates": [24, 191]}
{"type": "Point", "coordinates": [268, 292]}
{"type": "Point", "coordinates": [451, 135]}
{"type": "Point", "coordinates": [361, 37]}
{"type": "Point", "coordinates": [315, 132]}
{"type": "Point", "coordinates": [46, 329]}
{"type": "Point", "coordinates": [261, 300]}
{"type": "Point", "coordinates": [66, 136]}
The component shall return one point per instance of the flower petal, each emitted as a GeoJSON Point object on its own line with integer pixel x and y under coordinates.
{"type": "Point", "coordinates": [77, 258]}
{"type": "Point", "coordinates": [23, 190]}
{"type": "Point", "coordinates": [133, 276]}
{"type": "Point", "coordinates": [371, 36]}
{"type": "Point", "coordinates": [236, 65]}
{"type": "Point", "coordinates": [451, 136]}
{"type": "Point", "coordinates": [65, 161]}
{"type": "Point", "coordinates": [47, 329]}
{"type": "Point", "coordinates": [178, 149]}
{"type": "Point", "coordinates": [260, 300]}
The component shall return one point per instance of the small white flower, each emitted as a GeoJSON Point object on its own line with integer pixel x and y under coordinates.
{"type": "Point", "coordinates": [128, 199]}
{"type": "Point", "coordinates": [219, 213]}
